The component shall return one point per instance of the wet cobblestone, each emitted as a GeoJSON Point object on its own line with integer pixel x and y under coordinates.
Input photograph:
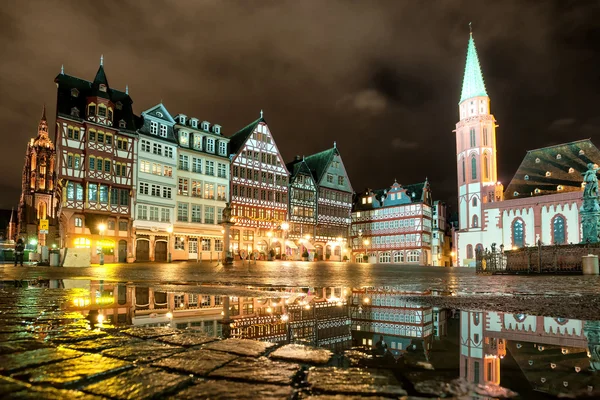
{"type": "Point", "coordinates": [187, 339]}
{"type": "Point", "coordinates": [225, 390]}
{"type": "Point", "coordinates": [260, 370]}
{"type": "Point", "coordinates": [242, 347]}
{"type": "Point", "coordinates": [142, 352]}
{"type": "Point", "coordinates": [197, 362]}
{"type": "Point", "coordinates": [301, 353]}
{"type": "Point", "coordinates": [354, 381]}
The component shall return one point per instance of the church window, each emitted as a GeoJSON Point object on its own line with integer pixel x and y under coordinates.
{"type": "Point", "coordinates": [486, 167]}
{"type": "Point", "coordinates": [518, 233]}
{"type": "Point", "coordinates": [92, 163]}
{"type": "Point", "coordinates": [558, 230]}
{"type": "Point", "coordinates": [474, 201]}
{"type": "Point", "coordinates": [464, 173]}
{"type": "Point", "coordinates": [91, 110]}
{"type": "Point", "coordinates": [472, 134]}
{"type": "Point", "coordinates": [475, 223]}
{"type": "Point", "coordinates": [473, 168]}
{"type": "Point", "coordinates": [479, 249]}
{"type": "Point", "coordinates": [485, 135]}
{"type": "Point", "coordinates": [469, 251]}
{"type": "Point", "coordinates": [102, 110]}
{"type": "Point", "coordinates": [78, 222]}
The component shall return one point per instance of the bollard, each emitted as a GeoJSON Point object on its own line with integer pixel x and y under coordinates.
{"type": "Point", "coordinates": [589, 265]}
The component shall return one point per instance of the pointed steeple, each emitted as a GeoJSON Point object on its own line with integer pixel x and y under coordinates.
{"type": "Point", "coordinates": [62, 69]}
{"type": "Point", "coordinates": [100, 75]}
{"type": "Point", "coordinates": [44, 113]}
{"type": "Point", "coordinates": [473, 85]}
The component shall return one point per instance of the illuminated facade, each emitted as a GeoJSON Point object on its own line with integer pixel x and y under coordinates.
{"type": "Point", "coordinates": [393, 225]}
{"type": "Point", "coordinates": [542, 201]}
{"type": "Point", "coordinates": [40, 194]}
{"type": "Point", "coordinates": [95, 147]}
{"type": "Point", "coordinates": [303, 213]}
{"type": "Point", "coordinates": [259, 190]}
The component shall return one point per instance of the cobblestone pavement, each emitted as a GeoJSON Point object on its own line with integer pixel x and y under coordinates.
{"type": "Point", "coordinates": [49, 352]}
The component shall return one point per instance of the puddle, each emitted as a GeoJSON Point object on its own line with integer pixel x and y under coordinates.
{"type": "Point", "coordinates": [432, 350]}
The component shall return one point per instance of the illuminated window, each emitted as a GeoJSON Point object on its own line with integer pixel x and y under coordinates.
{"type": "Point", "coordinates": [486, 167]}
{"type": "Point", "coordinates": [581, 152]}
{"type": "Point", "coordinates": [153, 128]}
{"type": "Point", "coordinates": [548, 173]}
{"type": "Point", "coordinates": [475, 221]}
{"type": "Point", "coordinates": [537, 191]}
{"type": "Point", "coordinates": [102, 110]}
{"type": "Point", "coordinates": [473, 168]}
{"type": "Point", "coordinates": [560, 188]}
{"type": "Point", "coordinates": [81, 243]}
{"type": "Point", "coordinates": [472, 136]}
{"type": "Point", "coordinates": [78, 222]}
{"type": "Point", "coordinates": [558, 228]}
{"type": "Point", "coordinates": [469, 251]}
{"type": "Point", "coordinates": [558, 156]}
{"type": "Point", "coordinates": [518, 233]}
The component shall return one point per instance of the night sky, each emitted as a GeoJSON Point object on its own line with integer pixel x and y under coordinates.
{"type": "Point", "coordinates": [382, 78]}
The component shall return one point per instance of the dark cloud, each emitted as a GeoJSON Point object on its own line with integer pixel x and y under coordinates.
{"type": "Point", "coordinates": [366, 74]}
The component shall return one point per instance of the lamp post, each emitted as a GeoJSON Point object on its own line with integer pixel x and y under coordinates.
{"type": "Point", "coordinates": [170, 232]}
{"type": "Point", "coordinates": [284, 227]}
{"type": "Point", "coordinates": [366, 243]}
{"type": "Point", "coordinates": [101, 229]}
{"type": "Point", "coordinates": [269, 235]}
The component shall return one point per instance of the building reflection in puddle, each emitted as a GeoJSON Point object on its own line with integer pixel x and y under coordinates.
{"type": "Point", "coordinates": [555, 355]}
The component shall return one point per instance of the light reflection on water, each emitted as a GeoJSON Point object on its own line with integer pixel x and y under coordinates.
{"type": "Point", "coordinates": [553, 355]}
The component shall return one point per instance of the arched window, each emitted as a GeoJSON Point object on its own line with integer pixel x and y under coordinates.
{"type": "Point", "coordinates": [479, 248]}
{"type": "Point", "coordinates": [473, 168]}
{"type": "Point", "coordinates": [474, 201]}
{"type": "Point", "coordinates": [469, 251]}
{"type": "Point", "coordinates": [485, 136]}
{"type": "Point", "coordinates": [42, 210]}
{"type": "Point", "coordinates": [475, 223]}
{"type": "Point", "coordinates": [486, 167]}
{"type": "Point", "coordinates": [518, 233]}
{"type": "Point", "coordinates": [464, 173]}
{"type": "Point", "coordinates": [558, 229]}
{"type": "Point", "coordinates": [472, 137]}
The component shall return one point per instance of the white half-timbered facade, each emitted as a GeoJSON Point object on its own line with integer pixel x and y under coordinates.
{"type": "Point", "coordinates": [202, 189]}
{"type": "Point", "coordinates": [95, 140]}
{"type": "Point", "coordinates": [393, 225]}
{"type": "Point", "coordinates": [155, 184]}
{"type": "Point", "coordinates": [259, 190]}
{"type": "Point", "coordinates": [302, 209]}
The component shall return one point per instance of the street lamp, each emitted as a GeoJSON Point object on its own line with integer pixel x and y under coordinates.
{"type": "Point", "coordinates": [101, 229]}
{"type": "Point", "coordinates": [169, 231]}
{"type": "Point", "coordinates": [284, 227]}
{"type": "Point", "coordinates": [269, 235]}
{"type": "Point", "coordinates": [366, 243]}
{"type": "Point", "coordinates": [339, 242]}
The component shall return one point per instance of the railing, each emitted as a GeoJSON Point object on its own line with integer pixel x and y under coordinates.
{"type": "Point", "coordinates": [556, 259]}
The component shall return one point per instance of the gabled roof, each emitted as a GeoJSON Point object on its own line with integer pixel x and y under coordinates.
{"type": "Point", "coordinates": [297, 167]}
{"type": "Point", "coordinates": [548, 168]}
{"type": "Point", "coordinates": [66, 101]}
{"type": "Point", "coordinates": [473, 85]}
{"type": "Point", "coordinates": [319, 162]}
{"type": "Point", "coordinates": [238, 139]}
{"type": "Point", "coordinates": [416, 193]}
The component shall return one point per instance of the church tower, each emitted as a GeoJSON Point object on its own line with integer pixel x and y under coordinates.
{"type": "Point", "coordinates": [475, 147]}
{"type": "Point", "coordinates": [39, 203]}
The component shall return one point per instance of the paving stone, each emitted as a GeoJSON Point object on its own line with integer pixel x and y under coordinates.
{"type": "Point", "coordinates": [60, 316]}
{"type": "Point", "coordinates": [150, 332]}
{"type": "Point", "coordinates": [17, 361]}
{"type": "Point", "coordinates": [142, 352]}
{"type": "Point", "coordinates": [76, 335]}
{"type": "Point", "coordinates": [8, 337]}
{"type": "Point", "coordinates": [242, 347]}
{"type": "Point", "coordinates": [224, 390]}
{"type": "Point", "coordinates": [349, 397]}
{"type": "Point", "coordinates": [13, 328]}
{"type": "Point", "coordinates": [139, 383]}
{"type": "Point", "coordinates": [103, 343]}
{"type": "Point", "coordinates": [258, 370]}
{"type": "Point", "coordinates": [187, 339]}
{"type": "Point", "coordinates": [354, 381]}
{"type": "Point", "coordinates": [462, 388]}
{"type": "Point", "coordinates": [197, 362]}
{"type": "Point", "coordinates": [52, 394]}
{"type": "Point", "coordinates": [301, 353]}
{"type": "Point", "coordinates": [21, 345]}
{"type": "Point", "coordinates": [76, 370]}
{"type": "Point", "coordinates": [10, 385]}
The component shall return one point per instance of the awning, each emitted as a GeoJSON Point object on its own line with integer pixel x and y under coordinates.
{"type": "Point", "coordinates": [291, 244]}
{"type": "Point", "coordinates": [308, 245]}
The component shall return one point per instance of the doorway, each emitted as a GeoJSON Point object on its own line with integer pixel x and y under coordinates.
{"type": "Point", "coordinates": [142, 250]}
{"type": "Point", "coordinates": [122, 251]}
{"type": "Point", "coordinates": [160, 251]}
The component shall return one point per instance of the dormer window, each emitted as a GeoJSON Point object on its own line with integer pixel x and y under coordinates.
{"type": "Point", "coordinates": [154, 127]}
{"type": "Point", "coordinates": [110, 114]}
{"type": "Point", "coordinates": [548, 174]}
{"type": "Point", "coordinates": [91, 110]}
{"type": "Point", "coordinates": [163, 130]}
{"type": "Point", "coordinates": [74, 92]}
{"type": "Point", "coordinates": [558, 156]}
{"type": "Point", "coordinates": [205, 126]}
{"type": "Point", "coordinates": [101, 110]}
{"type": "Point", "coordinates": [75, 112]}
{"type": "Point", "coordinates": [197, 142]}
{"type": "Point", "coordinates": [571, 170]}
{"type": "Point", "coordinates": [515, 194]}
{"type": "Point", "coordinates": [102, 87]}
{"type": "Point", "coordinates": [159, 114]}
{"type": "Point", "coordinates": [217, 129]}
{"type": "Point", "coordinates": [560, 188]}
{"type": "Point", "coordinates": [537, 191]}
{"type": "Point", "coordinates": [537, 160]}
{"type": "Point", "coordinates": [581, 152]}
{"type": "Point", "coordinates": [526, 177]}
{"type": "Point", "coordinates": [222, 148]}
{"type": "Point", "coordinates": [119, 105]}
{"type": "Point", "coordinates": [184, 138]}
{"type": "Point", "coordinates": [122, 124]}
{"type": "Point", "coordinates": [182, 119]}
{"type": "Point", "coordinates": [369, 200]}
{"type": "Point", "coordinates": [210, 145]}
{"type": "Point", "coordinates": [194, 122]}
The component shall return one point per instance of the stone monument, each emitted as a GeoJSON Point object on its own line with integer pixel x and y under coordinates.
{"type": "Point", "coordinates": [227, 223]}
{"type": "Point", "coordinates": [590, 210]}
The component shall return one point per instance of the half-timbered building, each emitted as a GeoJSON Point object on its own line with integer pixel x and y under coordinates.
{"type": "Point", "coordinates": [259, 189]}
{"type": "Point", "coordinates": [393, 225]}
{"type": "Point", "coordinates": [40, 195]}
{"type": "Point", "coordinates": [302, 208]}
{"type": "Point", "coordinates": [155, 184]}
{"type": "Point", "coordinates": [334, 203]}
{"type": "Point", "coordinates": [202, 189]}
{"type": "Point", "coordinates": [95, 145]}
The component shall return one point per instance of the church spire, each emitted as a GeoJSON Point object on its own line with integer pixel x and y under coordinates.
{"type": "Point", "coordinates": [473, 85]}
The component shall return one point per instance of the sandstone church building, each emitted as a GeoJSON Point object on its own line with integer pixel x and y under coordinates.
{"type": "Point", "coordinates": [541, 202]}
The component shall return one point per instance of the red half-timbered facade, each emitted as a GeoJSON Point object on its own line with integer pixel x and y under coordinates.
{"type": "Point", "coordinates": [259, 190]}
{"type": "Point", "coordinates": [95, 141]}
